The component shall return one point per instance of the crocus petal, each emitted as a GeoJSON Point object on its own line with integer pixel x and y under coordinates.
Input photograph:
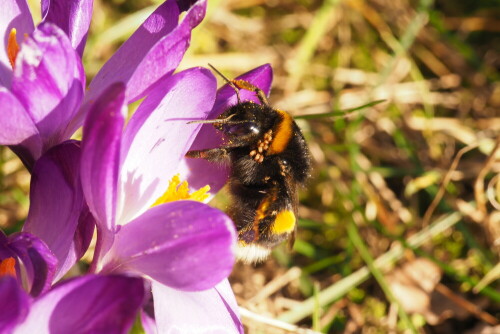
{"type": "Point", "coordinates": [84, 233]}
{"type": "Point", "coordinates": [14, 14]}
{"type": "Point", "coordinates": [14, 304]}
{"type": "Point", "coordinates": [186, 245]}
{"type": "Point", "coordinates": [201, 172]}
{"type": "Point", "coordinates": [165, 56]}
{"type": "Point", "coordinates": [16, 126]}
{"type": "Point", "coordinates": [73, 17]}
{"type": "Point", "coordinates": [18, 130]}
{"type": "Point", "coordinates": [124, 62]}
{"type": "Point", "coordinates": [56, 202]}
{"type": "Point", "coordinates": [152, 52]}
{"type": "Point", "coordinates": [101, 154]}
{"type": "Point", "coordinates": [87, 304]}
{"type": "Point", "coordinates": [195, 312]}
{"type": "Point", "coordinates": [49, 82]}
{"type": "Point", "coordinates": [157, 137]}
{"type": "Point", "coordinates": [37, 260]}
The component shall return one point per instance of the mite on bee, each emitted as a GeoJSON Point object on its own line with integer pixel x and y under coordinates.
{"type": "Point", "coordinates": [269, 159]}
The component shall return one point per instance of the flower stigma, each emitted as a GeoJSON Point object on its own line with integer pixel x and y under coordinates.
{"type": "Point", "coordinates": [178, 190]}
{"type": "Point", "coordinates": [8, 267]}
{"type": "Point", "coordinates": [12, 47]}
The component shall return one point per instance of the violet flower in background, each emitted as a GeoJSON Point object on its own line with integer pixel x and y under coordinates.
{"type": "Point", "coordinates": [72, 17]}
{"type": "Point", "coordinates": [41, 77]}
{"type": "Point", "coordinates": [44, 94]}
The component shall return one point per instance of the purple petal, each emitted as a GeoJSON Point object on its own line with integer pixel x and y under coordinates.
{"type": "Point", "coordinates": [157, 137]}
{"type": "Point", "coordinates": [84, 232]}
{"type": "Point", "coordinates": [201, 172]}
{"type": "Point", "coordinates": [101, 155]}
{"type": "Point", "coordinates": [36, 259]}
{"type": "Point", "coordinates": [73, 17]}
{"type": "Point", "coordinates": [186, 245]}
{"type": "Point", "coordinates": [195, 312]}
{"type": "Point", "coordinates": [165, 56]}
{"type": "Point", "coordinates": [56, 203]}
{"type": "Point", "coordinates": [14, 304]}
{"type": "Point", "coordinates": [49, 82]}
{"type": "Point", "coordinates": [87, 304]}
{"type": "Point", "coordinates": [122, 65]}
{"type": "Point", "coordinates": [14, 14]}
{"type": "Point", "coordinates": [16, 126]}
{"type": "Point", "coordinates": [151, 52]}
{"type": "Point", "coordinates": [100, 162]}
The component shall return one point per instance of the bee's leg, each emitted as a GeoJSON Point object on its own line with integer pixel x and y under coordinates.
{"type": "Point", "coordinates": [242, 84]}
{"type": "Point", "coordinates": [211, 154]}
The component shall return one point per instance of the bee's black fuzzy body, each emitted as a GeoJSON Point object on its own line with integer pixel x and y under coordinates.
{"type": "Point", "coordinates": [269, 160]}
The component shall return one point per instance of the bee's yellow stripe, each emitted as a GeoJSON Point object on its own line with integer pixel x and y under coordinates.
{"type": "Point", "coordinates": [282, 134]}
{"type": "Point", "coordinates": [284, 222]}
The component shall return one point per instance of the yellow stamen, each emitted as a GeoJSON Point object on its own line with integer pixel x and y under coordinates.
{"type": "Point", "coordinates": [178, 190]}
{"type": "Point", "coordinates": [12, 47]}
{"type": "Point", "coordinates": [8, 267]}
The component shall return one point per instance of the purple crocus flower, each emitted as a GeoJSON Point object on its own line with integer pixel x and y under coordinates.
{"type": "Point", "coordinates": [72, 17]}
{"type": "Point", "coordinates": [184, 247]}
{"type": "Point", "coordinates": [43, 94]}
{"type": "Point", "coordinates": [42, 84]}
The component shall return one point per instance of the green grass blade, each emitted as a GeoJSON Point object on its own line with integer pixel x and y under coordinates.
{"type": "Point", "coordinates": [339, 113]}
{"type": "Point", "coordinates": [352, 231]}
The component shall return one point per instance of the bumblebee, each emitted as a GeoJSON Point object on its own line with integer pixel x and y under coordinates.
{"type": "Point", "coordinates": [269, 159]}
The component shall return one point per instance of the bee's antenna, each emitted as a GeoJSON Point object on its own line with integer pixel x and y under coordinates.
{"type": "Point", "coordinates": [217, 120]}
{"type": "Point", "coordinates": [229, 82]}
{"type": "Point", "coordinates": [205, 121]}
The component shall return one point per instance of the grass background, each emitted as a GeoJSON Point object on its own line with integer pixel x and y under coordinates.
{"type": "Point", "coordinates": [399, 225]}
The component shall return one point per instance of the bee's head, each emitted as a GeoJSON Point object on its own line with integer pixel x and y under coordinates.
{"type": "Point", "coordinates": [245, 119]}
